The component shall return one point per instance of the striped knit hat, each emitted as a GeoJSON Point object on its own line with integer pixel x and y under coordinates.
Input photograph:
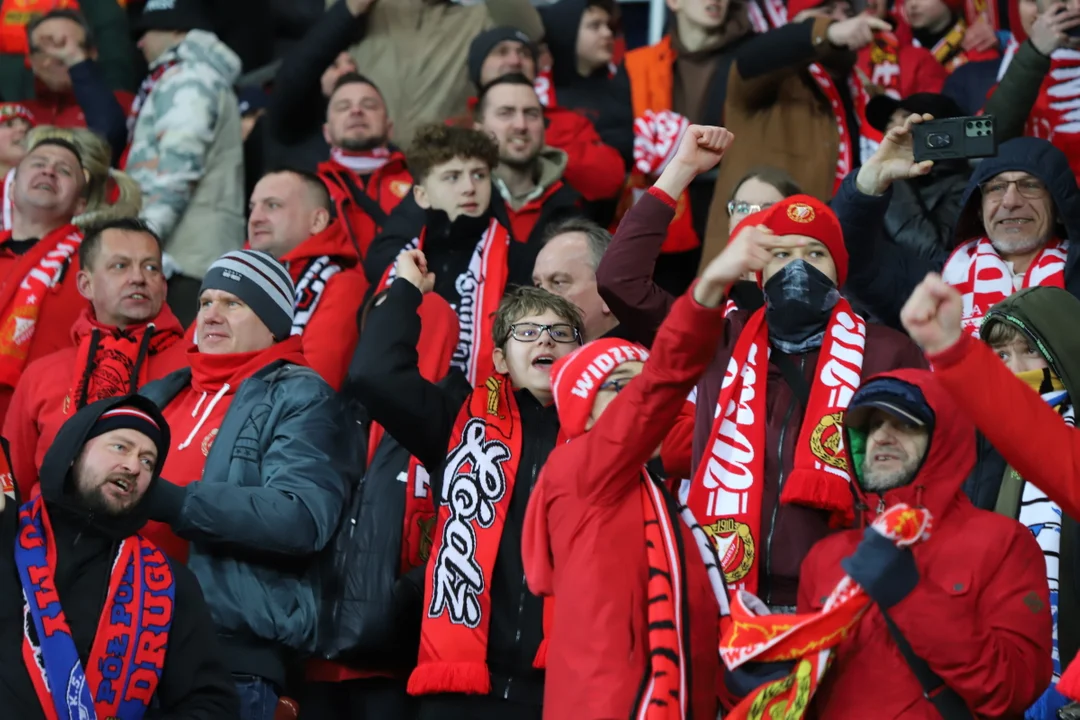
{"type": "Point", "coordinates": [260, 281]}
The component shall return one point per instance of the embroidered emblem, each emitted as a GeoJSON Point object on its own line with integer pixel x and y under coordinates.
{"type": "Point", "coordinates": [826, 441]}
{"type": "Point", "coordinates": [208, 442]}
{"type": "Point", "coordinates": [801, 213]}
{"type": "Point", "coordinates": [734, 546]}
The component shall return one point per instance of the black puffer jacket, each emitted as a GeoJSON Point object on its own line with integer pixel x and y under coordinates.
{"type": "Point", "coordinates": [923, 212]}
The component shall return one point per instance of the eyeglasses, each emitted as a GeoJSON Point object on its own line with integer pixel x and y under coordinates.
{"type": "Point", "coordinates": [531, 332]}
{"type": "Point", "coordinates": [745, 208]}
{"type": "Point", "coordinates": [616, 385]}
{"type": "Point", "coordinates": [1029, 188]}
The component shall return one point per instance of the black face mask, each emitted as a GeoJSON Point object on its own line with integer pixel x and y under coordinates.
{"type": "Point", "coordinates": [798, 302]}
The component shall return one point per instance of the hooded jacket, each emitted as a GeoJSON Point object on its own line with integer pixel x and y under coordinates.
{"type": "Point", "coordinates": [883, 275]}
{"type": "Point", "coordinates": [980, 613]}
{"type": "Point", "coordinates": [271, 491]}
{"type": "Point", "coordinates": [186, 153]}
{"type": "Point", "coordinates": [194, 682]}
{"type": "Point", "coordinates": [551, 200]}
{"type": "Point", "coordinates": [584, 540]}
{"type": "Point", "coordinates": [45, 397]}
{"type": "Point", "coordinates": [329, 334]}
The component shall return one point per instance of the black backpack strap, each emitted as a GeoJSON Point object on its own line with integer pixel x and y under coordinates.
{"type": "Point", "coordinates": [950, 705]}
{"type": "Point", "coordinates": [365, 201]}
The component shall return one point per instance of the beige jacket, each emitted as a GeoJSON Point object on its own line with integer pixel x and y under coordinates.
{"type": "Point", "coordinates": [415, 51]}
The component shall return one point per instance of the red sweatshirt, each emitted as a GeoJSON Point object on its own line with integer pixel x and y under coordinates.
{"type": "Point", "coordinates": [330, 333]}
{"type": "Point", "coordinates": [45, 397]}
{"type": "Point", "coordinates": [384, 187]}
{"type": "Point", "coordinates": [584, 539]}
{"type": "Point", "coordinates": [196, 414]}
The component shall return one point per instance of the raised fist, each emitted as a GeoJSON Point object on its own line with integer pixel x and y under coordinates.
{"type": "Point", "coordinates": [411, 265]}
{"type": "Point", "coordinates": [933, 315]}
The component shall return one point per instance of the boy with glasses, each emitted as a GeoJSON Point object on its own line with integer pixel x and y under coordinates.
{"type": "Point", "coordinates": [479, 449]}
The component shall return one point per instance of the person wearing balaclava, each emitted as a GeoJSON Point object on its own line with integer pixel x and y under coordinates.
{"type": "Point", "coordinates": [770, 475]}
{"type": "Point", "coordinates": [89, 605]}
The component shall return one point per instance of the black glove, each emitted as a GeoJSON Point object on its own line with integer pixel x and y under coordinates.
{"type": "Point", "coordinates": [163, 501]}
{"type": "Point", "coordinates": [885, 571]}
{"type": "Point", "coordinates": [748, 677]}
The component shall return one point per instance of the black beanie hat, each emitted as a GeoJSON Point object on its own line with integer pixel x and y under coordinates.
{"type": "Point", "coordinates": [485, 42]}
{"type": "Point", "coordinates": [131, 418]}
{"type": "Point", "coordinates": [178, 15]}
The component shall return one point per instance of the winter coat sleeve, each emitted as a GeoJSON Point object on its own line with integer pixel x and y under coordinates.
{"type": "Point", "coordinates": [1010, 417]}
{"type": "Point", "coordinates": [594, 169]}
{"type": "Point", "coordinates": [21, 432]}
{"type": "Point", "coordinates": [297, 106]}
{"type": "Point", "coordinates": [103, 112]}
{"type": "Point", "coordinates": [304, 479]}
{"type": "Point", "coordinates": [112, 34]}
{"type": "Point", "coordinates": [385, 377]}
{"type": "Point", "coordinates": [624, 278]}
{"type": "Point", "coordinates": [402, 227]}
{"type": "Point", "coordinates": [195, 684]}
{"type": "Point", "coordinates": [330, 337]}
{"type": "Point", "coordinates": [1011, 102]}
{"type": "Point", "coordinates": [620, 442]}
{"type": "Point", "coordinates": [518, 14]}
{"type": "Point", "coordinates": [676, 452]}
{"type": "Point", "coordinates": [185, 107]}
{"type": "Point", "coordinates": [998, 658]}
{"type": "Point", "coordinates": [926, 231]}
{"type": "Point", "coordinates": [881, 274]}
{"type": "Point", "coordinates": [765, 61]}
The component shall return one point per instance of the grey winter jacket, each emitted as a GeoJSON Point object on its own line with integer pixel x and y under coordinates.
{"type": "Point", "coordinates": [272, 491]}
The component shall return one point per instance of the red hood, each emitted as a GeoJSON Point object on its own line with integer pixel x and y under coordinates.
{"type": "Point", "coordinates": [164, 324]}
{"type": "Point", "coordinates": [332, 241]}
{"type": "Point", "coordinates": [210, 372]}
{"type": "Point", "coordinates": [950, 455]}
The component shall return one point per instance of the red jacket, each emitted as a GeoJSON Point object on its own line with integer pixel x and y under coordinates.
{"type": "Point", "coordinates": [53, 330]}
{"type": "Point", "coordinates": [385, 187]}
{"type": "Point", "coordinates": [43, 402]}
{"type": "Point", "coordinates": [980, 613]}
{"type": "Point", "coordinates": [330, 336]}
{"type": "Point", "coordinates": [63, 110]}
{"type": "Point", "coordinates": [584, 540]}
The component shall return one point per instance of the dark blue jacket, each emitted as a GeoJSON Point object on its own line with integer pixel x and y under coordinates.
{"type": "Point", "coordinates": [883, 275]}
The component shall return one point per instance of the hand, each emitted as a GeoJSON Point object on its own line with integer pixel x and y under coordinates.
{"type": "Point", "coordinates": [933, 315]}
{"type": "Point", "coordinates": [1048, 31]}
{"type": "Point", "coordinates": [358, 7]}
{"type": "Point", "coordinates": [884, 570]}
{"type": "Point", "coordinates": [856, 32]}
{"type": "Point", "coordinates": [700, 150]}
{"type": "Point", "coordinates": [893, 160]}
{"type": "Point", "coordinates": [412, 266]}
{"type": "Point", "coordinates": [63, 49]}
{"type": "Point", "coordinates": [748, 252]}
{"type": "Point", "coordinates": [979, 36]}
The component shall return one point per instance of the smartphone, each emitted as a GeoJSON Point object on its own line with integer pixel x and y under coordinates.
{"type": "Point", "coordinates": [959, 138]}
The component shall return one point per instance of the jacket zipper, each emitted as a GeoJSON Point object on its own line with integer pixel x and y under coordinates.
{"type": "Point", "coordinates": [779, 489]}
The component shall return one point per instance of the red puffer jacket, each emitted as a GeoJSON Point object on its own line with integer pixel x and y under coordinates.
{"type": "Point", "coordinates": [979, 616]}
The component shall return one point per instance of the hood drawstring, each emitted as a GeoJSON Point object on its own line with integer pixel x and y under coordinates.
{"type": "Point", "coordinates": [88, 371]}
{"type": "Point", "coordinates": [140, 357]}
{"type": "Point", "coordinates": [209, 409]}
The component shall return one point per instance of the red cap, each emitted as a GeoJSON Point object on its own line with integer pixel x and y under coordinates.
{"type": "Point", "coordinates": [9, 111]}
{"type": "Point", "coordinates": [576, 378]}
{"type": "Point", "coordinates": [805, 215]}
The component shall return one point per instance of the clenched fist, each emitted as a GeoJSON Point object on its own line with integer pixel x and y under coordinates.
{"type": "Point", "coordinates": [700, 150]}
{"type": "Point", "coordinates": [933, 315]}
{"type": "Point", "coordinates": [411, 265]}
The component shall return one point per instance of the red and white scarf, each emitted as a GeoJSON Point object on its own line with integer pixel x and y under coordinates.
{"type": "Point", "coordinates": [477, 484]}
{"type": "Point", "coordinates": [482, 286]}
{"type": "Point", "coordinates": [767, 15]}
{"type": "Point", "coordinates": [1056, 114]}
{"type": "Point", "coordinates": [984, 279]}
{"type": "Point", "coordinates": [361, 163]}
{"type": "Point", "coordinates": [844, 150]}
{"type": "Point", "coordinates": [727, 489]}
{"type": "Point", "coordinates": [9, 200]}
{"type": "Point", "coordinates": [24, 292]}
{"type": "Point", "coordinates": [883, 58]}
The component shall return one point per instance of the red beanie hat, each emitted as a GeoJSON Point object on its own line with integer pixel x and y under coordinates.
{"type": "Point", "coordinates": [576, 378]}
{"type": "Point", "coordinates": [804, 215]}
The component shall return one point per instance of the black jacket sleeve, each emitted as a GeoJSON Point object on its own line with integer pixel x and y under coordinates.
{"type": "Point", "coordinates": [385, 378]}
{"type": "Point", "coordinates": [882, 274]}
{"type": "Point", "coordinates": [195, 684]}
{"type": "Point", "coordinates": [788, 46]}
{"type": "Point", "coordinates": [922, 217]}
{"type": "Point", "coordinates": [102, 110]}
{"type": "Point", "coordinates": [297, 106]}
{"type": "Point", "coordinates": [404, 224]}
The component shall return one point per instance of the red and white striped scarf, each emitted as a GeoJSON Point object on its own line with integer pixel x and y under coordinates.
{"type": "Point", "coordinates": [984, 279]}
{"type": "Point", "coordinates": [844, 138]}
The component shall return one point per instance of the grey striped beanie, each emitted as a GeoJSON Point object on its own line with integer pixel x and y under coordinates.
{"type": "Point", "coordinates": [261, 282]}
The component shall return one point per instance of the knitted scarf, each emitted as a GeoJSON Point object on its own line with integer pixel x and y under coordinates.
{"type": "Point", "coordinates": [128, 653]}
{"type": "Point", "coordinates": [481, 286]}
{"type": "Point", "coordinates": [24, 292]}
{"type": "Point", "coordinates": [949, 50]}
{"type": "Point", "coordinates": [844, 148]}
{"type": "Point", "coordinates": [984, 279]}
{"type": "Point", "coordinates": [113, 363]}
{"type": "Point", "coordinates": [309, 290]}
{"type": "Point", "coordinates": [726, 492]}
{"type": "Point", "coordinates": [755, 635]}
{"type": "Point", "coordinates": [477, 484]}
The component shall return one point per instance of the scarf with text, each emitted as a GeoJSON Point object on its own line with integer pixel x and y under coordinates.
{"type": "Point", "coordinates": [128, 653]}
{"type": "Point", "coordinates": [665, 693]}
{"type": "Point", "coordinates": [24, 292]}
{"type": "Point", "coordinates": [756, 635]}
{"type": "Point", "coordinates": [1055, 117]}
{"type": "Point", "coordinates": [309, 290]}
{"type": "Point", "coordinates": [477, 484]}
{"type": "Point", "coordinates": [984, 279]}
{"type": "Point", "coordinates": [482, 286]}
{"type": "Point", "coordinates": [883, 57]}
{"type": "Point", "coordinates": [112, 363]}
{"type": "Point", "coordinates": [844, 139]}
{"type": "Point", "coordinates": [726, 492]}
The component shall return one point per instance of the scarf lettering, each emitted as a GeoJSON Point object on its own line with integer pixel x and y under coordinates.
{"type": "Point", "coordinates": [467, 285]}
{"type": "Point", "coordinates": [727, 474]}
{"type": "Point", "coordinates": [309, 290]}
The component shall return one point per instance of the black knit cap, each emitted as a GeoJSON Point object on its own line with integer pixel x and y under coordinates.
{"type": "Point", "coordinates": [177, 15]}
{"type": "Point", "coordinates": [129, 416]}
{"type": "Point", "coordinates": [485, 42]}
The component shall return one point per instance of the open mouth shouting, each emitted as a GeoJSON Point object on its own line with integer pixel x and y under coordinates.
{"type": "Point", "coordinates": [543, 361]}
